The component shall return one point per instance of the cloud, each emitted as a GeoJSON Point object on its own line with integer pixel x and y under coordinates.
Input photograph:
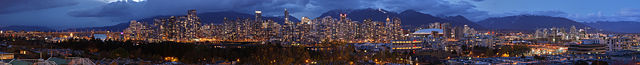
{"type": "Point", "coordinates": [622, 15]}
{"type": "Point", "coordinates": [172, 7]}
{"type": "Point", "coordinates": [630, 12]}
{"type": "Point", "coordinates": [13, 6]}
{"type": "Point", "coordinates": [110, 10]}
{"type": "Point", "coordinates": [548, 13]}
{"type": "Point", "coordinates": [477, 0]}
{"type": "Point", "coordinates": [544, 13]}
{"type": "Point", "coordinates": [626, 14]}
{"type": "Point", "coordinates": [308, 8]}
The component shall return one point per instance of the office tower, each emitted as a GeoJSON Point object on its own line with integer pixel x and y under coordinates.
{"type": "Point", "coordinates": [258, 15]}
{"type": "Point", "coordinates": [289, 32]}
{"type": "Point", "coordinates": [286, 15]}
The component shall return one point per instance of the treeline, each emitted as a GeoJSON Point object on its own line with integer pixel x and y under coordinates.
{"type": "Point", "coordinates": [185, 52]}
{"type": "Point", "coordinates": [195, 54]}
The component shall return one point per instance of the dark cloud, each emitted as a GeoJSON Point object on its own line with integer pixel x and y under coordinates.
{"type": "Point", "coordinates": [12, 6]}
{"type": "Point", "coordinates": [110, 10]}
{"type": "Point", "coordinates": [308, 8]}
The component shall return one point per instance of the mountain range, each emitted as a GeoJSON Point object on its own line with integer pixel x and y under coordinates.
{"type": "Point", "coordinates": [409, 18]}
{"type": "Point", "coordinates": [529, 23]}
{"type": "Point", "coordinates": [616, 26]}
{"type": "Point", "coordinates": [26, 28]}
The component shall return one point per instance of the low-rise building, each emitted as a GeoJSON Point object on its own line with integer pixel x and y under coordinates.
{"type": "Point", "coordinates": [6, 56]}
{"type": "Point", "coordinates": [406, 45]}
{"type": "Point", "coordinates": [588, 46]}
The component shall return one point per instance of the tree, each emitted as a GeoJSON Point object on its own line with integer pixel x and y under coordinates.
{"type": "Point", "coordinates": [539, 57]}
{"type": "Point", "coordinates": [120, 52]}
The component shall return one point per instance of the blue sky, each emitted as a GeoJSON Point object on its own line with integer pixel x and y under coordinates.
{"type": "Point", "coordinates": [92, 13]}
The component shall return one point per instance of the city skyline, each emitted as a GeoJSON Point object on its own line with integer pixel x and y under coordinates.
{"type": "Point", "coordinates": [319, 32]}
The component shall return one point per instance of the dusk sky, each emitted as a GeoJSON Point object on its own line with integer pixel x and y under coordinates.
{"type": "Point", "coordinates": [93, 13]}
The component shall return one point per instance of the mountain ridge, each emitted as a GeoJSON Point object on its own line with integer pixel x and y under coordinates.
{"type": "Point", "coordinates": [616, 26]}
{"type": "Point", "coordinates": [529, 22]}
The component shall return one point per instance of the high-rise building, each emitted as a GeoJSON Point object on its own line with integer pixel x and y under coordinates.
{"type": "Point", "coordinates": [397, 29]}
{"type": "Point", "coordinates": [573, 33]}
{"type": "Point", "coordinates": [289, 32]}
{"type": "Point", "coordinates": [258, 15]}
{"type": "Point", "coordinates": [444, 26]}
{"type": "Point", "coordinates": [286, 15]}
{"type": "Point", "coordinates": [180, 28]}
{"type": "Point", "coordinates": [321, 30]}
{"type": "Point", "coordinates": [468, 31]}
{"type": "Point", "coordinates": [136, 31]}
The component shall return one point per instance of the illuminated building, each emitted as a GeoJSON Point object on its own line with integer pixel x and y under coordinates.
{"type": "Point", "coordinates": [396, 29]}
{"type": "Point", "coordinates": [286, 15]}
{"type": "Point", "coordinates": [137, 31]}
{"type": "Point", "coordinates": [406, 45]}
{"type": "Point", "coordinates": [181, 28]}
{"type": "Point", "coordinates": [447, 30]}
{"type": "Point", "coordinates": [258, 15]}
{"type": "Point", "coordinates": [6, 56]}
{"type": "Point", "coordinates": [617, 43]}
{"type": "Point", "coordinates": [308, 31]}
{"type": "Point", "coordinates": [554, 34]}
{"type": "Point", "coordinates": [288, 30]}
{"type": "Point", "coordinates": [304, 31]}
{"type": "Point", "coordinates": [588, 46]}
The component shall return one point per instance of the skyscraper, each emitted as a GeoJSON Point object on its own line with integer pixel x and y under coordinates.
{"type": "Point", "coordinates": [178, 28]}
{"type": "Point", "coordinates": [286, 15]}
{"type": "Point", "coordinates": [258, 15]}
